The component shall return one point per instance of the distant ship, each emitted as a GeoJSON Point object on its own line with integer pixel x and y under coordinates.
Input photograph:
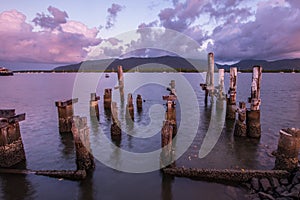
{"type": "Point", "coordinates": [5, 72]}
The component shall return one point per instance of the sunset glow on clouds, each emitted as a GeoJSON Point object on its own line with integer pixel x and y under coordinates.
{"type": "Point", "coordinates": [232, 29]}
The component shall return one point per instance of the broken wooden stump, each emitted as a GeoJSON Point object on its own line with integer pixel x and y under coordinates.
{"type": "Point", "coordinates": [166, 144]}
{"type": "Point", "coordinates": [107, 99]}
{"type": "Point", "coordinates": [220, 95]}
{"type": "Point", "coordinates": [115, 128]}
{"type": "Point", "coordinates": [139, 103]}
{"type": "Point", "coordinates": [94, 107]}
{"type": "Point", "coordinates": [65, 114]}
{"type": "Point", "coordinates": [240, 125]}
{"type": "Point", "coordinates": [288, 149]}
{"type": "Point", "coordinates": [11, 144]}
{"type": "Point", "coordinates": [129, 107]}
{"type": "Point", "coordinates": [80, 130]}
{"type": "Point", "coordinates": [171, 111]}
{"type": "Point", "coordinates": [231, 97]}
{"type": "Point", "coordinates": [253, 115]}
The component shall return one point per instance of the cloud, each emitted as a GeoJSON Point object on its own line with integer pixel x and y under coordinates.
{"type": "Point", "coordinates": [45, 21]}
{"type": "Point", "coordinates": [274, 34]}
{"type": "Point", "coordinates": [69, 43]}
{"type": "Point", "coordinates": [112, 15]}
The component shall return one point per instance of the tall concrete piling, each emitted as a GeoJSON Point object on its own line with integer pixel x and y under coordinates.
{"type": "Point", "coordinates": [166, 144]}
{"type": "Point", "coordinates": [11, 145]}
{"type": "Point", "coordinates": [208, 86]}
{"type": "Point", "coordinates": [139, 103]}
{"type": "Point", "coordinates": [231, 97]}
{"type": "Point", "coordinates": [240, 128]}
{"type": "Point", "coordinates": [129, 107]}
{"type": "Point", "coordinates": [107, 99]}
{"type": "Point", "coordinates": [253, 115]}
{"type": "Point", "coordinates": [288, 149]}
{"type": "Point", "coordinates": [115, 128]}
{"type": "Point", "coordinates": [65, 114]}
{"type": "Point", "coordinates": [80, 130]}
{"type": "Point", "coordinates": [94, 108]}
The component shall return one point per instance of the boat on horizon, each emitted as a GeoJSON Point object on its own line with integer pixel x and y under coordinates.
{"type": "Point", "coordinates": [5, 72]}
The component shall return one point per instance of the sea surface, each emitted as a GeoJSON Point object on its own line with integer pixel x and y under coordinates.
{"type": "Point", "coordinates": [116, 175]}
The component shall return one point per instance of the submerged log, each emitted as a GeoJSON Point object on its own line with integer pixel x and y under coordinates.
{"type": "Point", "coordinates": [227, 175]}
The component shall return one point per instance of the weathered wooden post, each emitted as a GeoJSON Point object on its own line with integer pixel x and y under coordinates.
{"type": "Point", "coordinates": [115, 128]}
{"type": "Point", "coordinates": [11, 145]}
{"type": "Point", "coordinates": [121, 83]}
{"type": "Point", "coordinates": [253, 115]}
{"type": "Point", "coordinates": [80, 130]}
{"type": "Point", "coordinates": [288, 149]}
{"type": "Point", "coordinates": [129, 106]}
{"type": "Point", "coordinates": [139, 103]}
{"type": "Point", "coordinates": [221, 84]}
{"type": "Point", "coordinates": [240, 125]}
{"type": "Point", "coordinates": [231, 100]}
{"type": "Point", "coordinates": [94, 108]}
{"type": "Point", "coordinates": [171, 111]}
{"type": "Point", "coordinates": [107, 99]}
{"type": "Point", "coordinates": [208, 86]}
{"type": "Point", "coordinates": [65, 114]}
{"type": "Point", "coordinates": [166, 144]}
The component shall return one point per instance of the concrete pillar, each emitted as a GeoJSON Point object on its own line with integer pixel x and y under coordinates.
{"type": "Point", "coordinates": [11, 145]}
{"type": "Point", "coordinates": [65, 114]}
{"type": "Point", "coordinates": [129, 106]}
{"type": "Point", "coordinates": [80, 130]}
{"type": "Point", "coordinates": [253, 115]}
{"type": "Point", "coordinates": [231, 98]}
{"type": "Point", "coordinates": [115, 128]}
{"type": "Point", "coordinates": [288, 149]}
{"type": "Point", "coordinates": [240, 125]}
{"type": "Point", "coordinates": [94, 108]}
{"type": "Point", "coordinates": [107, 99]}
{"type": "Point", "coordinates": [139, 103]}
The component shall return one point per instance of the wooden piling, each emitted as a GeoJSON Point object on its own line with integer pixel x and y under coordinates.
{"type": "Point", "coordinates": [80, 130]}
{"type": "Point", "coordinates": [208, 86]}
{"type": "Point", "coordinates": [115, 128]}
{"type": "Point", "coordinates": [288, 149]}
{"type": "Point", "coordinates": [166, 144]}
{"type": "Point", "coordinates": [231, 98]}
{"type": "Point", "coordinates": [240, 125]}
{"type": "Point", "coordinates": [129, 106]}
{"type": "Point", "coordinates": [107, 99]}
{"type": "Point", "coordinates": [11, 145]}
{"type": "Point", "coordinates": [139, 103]}
{"type": "Point", "coordinates": [65, 114]}
{"type": "Point", "coordinates": [221, 84]}
{"type": "Point", "coordinates": [253, 115]}
{"type": "Point", "coordinates": [94, 108]}
{"type": "Point", "coordinates": [171, 111]}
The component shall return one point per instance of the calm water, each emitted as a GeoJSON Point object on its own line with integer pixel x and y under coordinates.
{"type": "Point", "coordinates": [35, 94]}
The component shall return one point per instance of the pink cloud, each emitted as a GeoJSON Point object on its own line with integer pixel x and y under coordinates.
{"type": "Point", "coordinates": [66, 44]}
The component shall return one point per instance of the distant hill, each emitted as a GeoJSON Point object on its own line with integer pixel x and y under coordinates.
{"type": "Point", "coordinates": [278, 65]}
{"type": "Point", "coordinates": [163, 63]}
{"type": "Point", "coordinates": [157, 64]}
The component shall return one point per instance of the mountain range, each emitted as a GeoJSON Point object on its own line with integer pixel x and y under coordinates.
{"type": "Point", "coordinates": [169, 63]}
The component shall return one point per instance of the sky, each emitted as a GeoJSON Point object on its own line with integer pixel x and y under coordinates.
{"type": "Point", "coordinates": [70, 31]}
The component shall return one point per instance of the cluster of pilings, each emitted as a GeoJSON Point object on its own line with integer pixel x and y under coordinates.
{"type": "Point", "coordinates": [169, 129]}
{"type": "Point", "coordinates": [11, 145]}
